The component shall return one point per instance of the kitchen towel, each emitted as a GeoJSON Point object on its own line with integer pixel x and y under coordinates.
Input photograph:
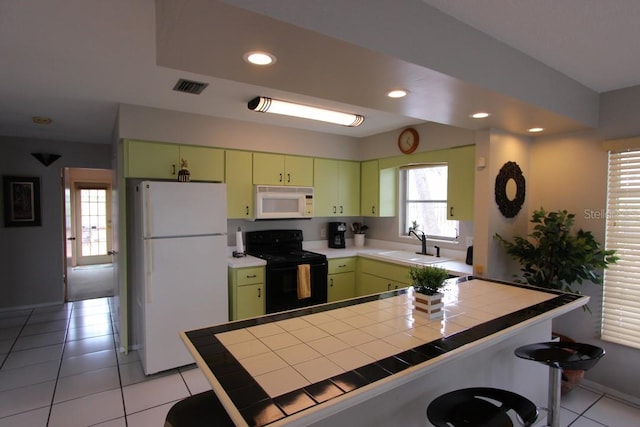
{"type": "Point", "coordinates": [304, 281]}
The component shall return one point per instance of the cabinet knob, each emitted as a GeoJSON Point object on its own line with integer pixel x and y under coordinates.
{"type": "Point", "coordinates": [335, 210]}
{"type": "Point", "coordinates": [288, 177]}
{"type": "Point", "coordinates": [341, 209]}
{"type": "Point", "coordinates": [173, 168]}
{"type": "Point", "coordinates": [280, 178]}
{"type": "Point", "coordinates": [259, 292]}
{"type": "Point", "coordinates": [373, 210]}
{"type": "Point", "coordinates": [247, 210]}
{"type": "Point", "coordinates": [253, 276]}
{"type": "Point", "coordinates": [451, 211]}
{"type": "Point", "coordinates": [331, 282]}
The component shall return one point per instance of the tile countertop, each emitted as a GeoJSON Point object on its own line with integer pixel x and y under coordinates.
{"type": "Point", "coordinates": [311, 363]}
{"type": "Point", "coordinates": [452, 261]}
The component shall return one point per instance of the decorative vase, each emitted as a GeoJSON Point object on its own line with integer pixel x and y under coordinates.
{"type": "Point", "coordinates": [431, 305]}
{"type": "Point", "coordinates": [358, 240]}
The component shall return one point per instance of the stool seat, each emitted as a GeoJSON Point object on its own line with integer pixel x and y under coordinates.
{"type": "Point", "coordinates": [565, 355]}
{"type": "Point", "coordinates": [480, 407]}
{"type": "Point", "coordinates": [200, 410]}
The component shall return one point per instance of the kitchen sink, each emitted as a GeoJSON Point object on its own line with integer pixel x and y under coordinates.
{"type": "Point", "coordinates": [412, 257]}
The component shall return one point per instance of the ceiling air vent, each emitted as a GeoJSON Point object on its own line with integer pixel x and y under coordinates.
{"type": "Point", "coordinates": [189, 86]}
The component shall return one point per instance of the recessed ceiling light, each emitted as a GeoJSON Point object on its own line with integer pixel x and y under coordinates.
{"type": "Point", "coordinates": [397, 93]}
{"type": "Point", "coordinates": [259, 58]}
{"type": "Point", "coordinates": [536, 130]}
{"type": "Point", "coordinates": [41, 120]}
{"type": "Point", "coordinates": [480, 115]}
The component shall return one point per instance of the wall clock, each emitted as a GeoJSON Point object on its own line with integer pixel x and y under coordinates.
{"type": "Point", "coordinates": [408, 140]}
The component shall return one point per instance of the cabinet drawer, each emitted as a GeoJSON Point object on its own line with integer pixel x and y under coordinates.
{"type": "Point", "coordinates": [341, 265]}
{"type": "Point", "coordinates": [394, 272]}
{"type": "Point", "coordinates": [248, 276]}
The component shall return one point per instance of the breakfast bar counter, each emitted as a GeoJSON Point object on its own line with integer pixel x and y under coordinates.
{"type": "Point", "coordinates": [374, 360]}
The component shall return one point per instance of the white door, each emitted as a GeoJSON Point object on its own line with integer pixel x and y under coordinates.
{"type": "Point", "coordinates": [185, 289]}
{"type": "Point", "coordinates": [183, 209]}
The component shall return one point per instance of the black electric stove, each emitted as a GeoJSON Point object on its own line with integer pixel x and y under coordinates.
{"type": "Point", "coordinates": [282, 250]}
{"type": "Point", "coordinates": [280, 247]}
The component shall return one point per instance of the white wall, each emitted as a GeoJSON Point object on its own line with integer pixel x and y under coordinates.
{"type": "Point", "coordinates": [152, 124]}
{"type": "Point", "coordinates": [433, 136]}
{"type": "Point", "coordinates": [31, 258]}
{"type": "Point", "coordinates": [570, 172]}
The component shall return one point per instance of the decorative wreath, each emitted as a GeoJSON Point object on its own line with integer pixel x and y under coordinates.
{"type": "Point", "coordinates": [510, 208]}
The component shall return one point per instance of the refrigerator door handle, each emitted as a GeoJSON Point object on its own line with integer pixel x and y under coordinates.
{"type": "Point", "coordinates": [148, 253]}
{"type": "Point", "coordinates": [147, 211]}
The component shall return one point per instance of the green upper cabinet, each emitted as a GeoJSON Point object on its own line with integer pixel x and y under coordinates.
{"type": "Point", "coordinates": [378, 190]}
{"type": "Point", "coordinates": [337, 187]}
{"type": "Point", "coordinates": [151, 160]}
{"type": "Point", "coordinates": [204, 163]}
{"type": "Point", "coordinates": [461, 183]}
{"type": "Point", "coordinates": [158, 160]}
{"type": "Point", "coordinates": [239, 184]}
{"type": "Point", "coordinates": [279, 169]}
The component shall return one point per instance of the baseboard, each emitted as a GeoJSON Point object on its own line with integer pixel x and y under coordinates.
{"type": "Point", "coordinates": [596, 387]}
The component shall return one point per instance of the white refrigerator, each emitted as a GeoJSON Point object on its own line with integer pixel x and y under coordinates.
{"type": "Point", "coordinates": [178, 265]}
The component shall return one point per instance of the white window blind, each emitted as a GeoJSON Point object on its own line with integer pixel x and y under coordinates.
{"type": "Point", "coordinates": [621, 306]}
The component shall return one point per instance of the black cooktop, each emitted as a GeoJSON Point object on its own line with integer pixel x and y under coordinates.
{"type": "Point", "coordinates": [280, 246]}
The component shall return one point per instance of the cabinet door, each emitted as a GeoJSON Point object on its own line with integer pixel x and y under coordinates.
{"type": "Point", "coordinates": [239, 181]}
{"type": "Point", "coordinates": [151, 160]}
{"type": "Point", "coordinates": [371, 284]}
{"type": "Point", "coordinates": [204, 163]}
{"type": "Point", "coordinates": [348, 188]}
{"type": "Point", "coordinates": [461, 183]}
{"type": "Point", "coordinates": [251, 301]}
{"type": "Point", "coordinates": [369, 188]}
{"type": "Point", "coordinates": [298, 171]}
{"type": "Point", "coordinates": [325, 178]}
{"type": "Point", "coordinates": [341, 286]}
{"type": "Point", "coordinates": [268, 169]}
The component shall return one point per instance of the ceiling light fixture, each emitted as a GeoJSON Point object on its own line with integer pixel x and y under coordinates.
{"type": "Point", "coordinates": [536, 130]}
{"type": "Point", "coordinates": [480, 115]}
{"type": "Point", "coordinates": [259, 58]}
{"type": "Point", "coordinates": [397, 93]}
{"type": "Point", "coordinates": [268, 105]}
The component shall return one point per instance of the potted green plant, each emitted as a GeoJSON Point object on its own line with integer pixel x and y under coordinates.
{"type": "Point", "coordinates": [358, 233]}
{"type": "Point", "coordinates": [428, 281]}
{"type": "Point", "coordinates": [554, 257]}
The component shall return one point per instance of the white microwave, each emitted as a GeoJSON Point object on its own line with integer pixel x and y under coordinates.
{"type": "Point", "coordinates": [283, 202]}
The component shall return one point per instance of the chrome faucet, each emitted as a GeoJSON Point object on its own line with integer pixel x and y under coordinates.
{"type": "Point", "coordinates": [423, 241]}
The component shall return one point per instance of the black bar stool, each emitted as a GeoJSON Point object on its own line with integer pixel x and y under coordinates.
{"type": "Point", "coordinates": [200, 410]}
{"type": "Point", "coordinates": [481, 407]}
{"type": "Point", "coordinates": [558, 356]}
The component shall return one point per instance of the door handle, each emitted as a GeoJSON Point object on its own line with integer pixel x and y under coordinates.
{"type": "Point", "coordinates": [71, 238]}
{"type": "Point", "coordinates": [112, 252]}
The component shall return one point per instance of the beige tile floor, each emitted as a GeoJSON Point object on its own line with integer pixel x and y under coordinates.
{"type": "Point", "coordinates": [59, 367]}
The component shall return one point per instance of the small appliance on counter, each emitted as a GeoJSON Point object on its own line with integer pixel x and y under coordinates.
{"type": "Point", "coordinates": [336, 234]}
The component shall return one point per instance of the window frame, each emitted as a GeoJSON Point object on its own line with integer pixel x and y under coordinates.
{"type": "Point", "coordinates": [403, 226]}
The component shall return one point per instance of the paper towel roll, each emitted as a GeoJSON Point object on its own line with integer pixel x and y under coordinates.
{"type": "Point", "coordinates": [239, 244]}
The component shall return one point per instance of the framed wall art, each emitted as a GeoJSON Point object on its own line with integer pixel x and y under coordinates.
{"type": "Point", "coordinates": [21, 201]}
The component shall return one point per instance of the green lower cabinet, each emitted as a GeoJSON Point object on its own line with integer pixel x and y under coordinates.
{"type": "Point", "coordinates": [251, 301]}
{"type": "Point", "coordinates": [246, 293]}
{"type": "Point", "coordinates": [376, 276]}
{"type": "Point", "coordinates": [341, 286]}
{"type": "Point", "coordinates": [341, 281]}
